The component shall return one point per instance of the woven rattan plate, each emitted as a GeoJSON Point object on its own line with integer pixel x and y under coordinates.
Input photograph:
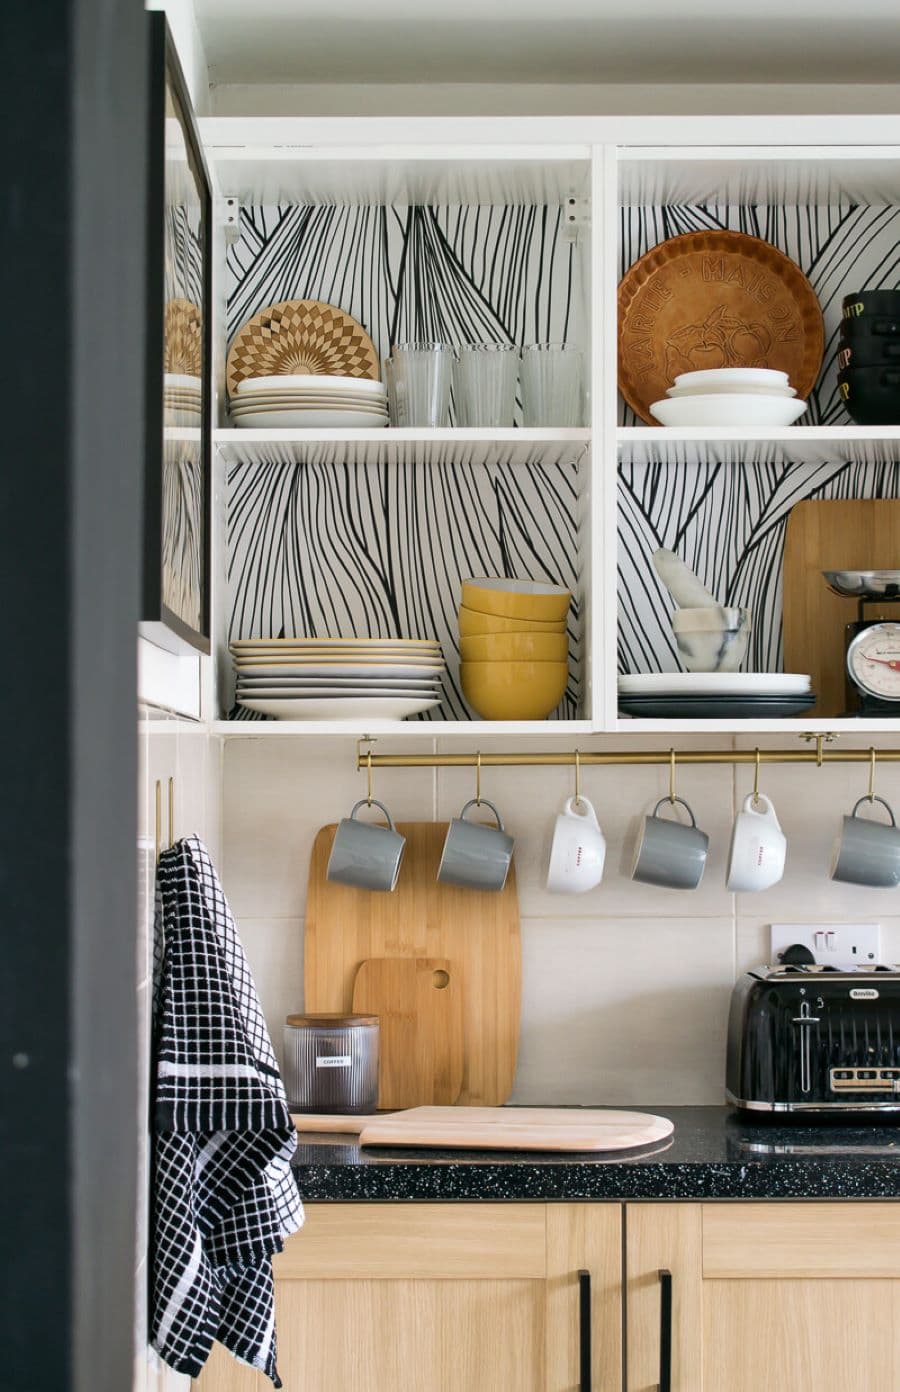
{"type": "Point", "coordinates": [714, 299]}
{"type": "Point", "coordinates": [302, 337]}
{"type": "Point", "coordinates": [183, 329]}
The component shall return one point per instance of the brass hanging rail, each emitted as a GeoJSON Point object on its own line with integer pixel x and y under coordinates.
{"type": "Point", "coordinates": [584, 758]}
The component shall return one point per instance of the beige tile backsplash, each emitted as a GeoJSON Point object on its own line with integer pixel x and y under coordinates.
{"type": "Point", "coordinates": [625, 989]}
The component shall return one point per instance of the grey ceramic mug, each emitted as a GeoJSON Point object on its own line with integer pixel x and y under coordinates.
{"type": "Point", "coordinates": [364, 854]}
{"type": "Point", "coordinates": [868, 853]}
{"type": "Point", "coordinates": [476, 856]}
{"type": "Point", "coordinates": [669, 853]}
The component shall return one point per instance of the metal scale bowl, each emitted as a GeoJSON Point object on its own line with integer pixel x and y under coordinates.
{"type": "Point", "coordinates": [872, 642]}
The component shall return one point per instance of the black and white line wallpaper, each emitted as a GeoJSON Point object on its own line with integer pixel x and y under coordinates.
{"type": "Point", "coordinates": [380, 550]}
{"type": "Point", "coordinates": [727, 518]}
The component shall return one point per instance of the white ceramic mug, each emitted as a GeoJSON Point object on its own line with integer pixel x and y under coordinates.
{"type": "Point", "coordinates": [758, 847]}
{"type": "Point", "coordinates": [578, 849]}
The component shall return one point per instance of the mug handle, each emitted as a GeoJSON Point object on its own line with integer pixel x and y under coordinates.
{"type": "Point", "coordinates": [473, 802]}
{"type": "Point", "coordinates": [752, 801]}
{"type": "Point", "coordinates": [364, 802]}
{"type": "Point", "coordinates": [874, 798]}
{"type": "Point", "coordinates": [589, 816]}
{"type": "Point", "coordinates": [687, 809]}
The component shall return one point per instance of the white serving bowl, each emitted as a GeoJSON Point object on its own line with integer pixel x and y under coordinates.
{"type": "Point", "coordinates": [732, 409]}
{"type": "Point", "coordinates": [738, 377]}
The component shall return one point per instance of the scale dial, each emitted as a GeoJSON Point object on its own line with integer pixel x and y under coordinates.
{"type": "Point", "coordinates": [873, 661]}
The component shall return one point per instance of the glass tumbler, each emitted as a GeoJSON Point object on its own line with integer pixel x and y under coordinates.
{"type": "Point", "coordinates": [396, 405]}
{"type": "Point", "coordinates": [485, 385]}
{"type": "Point", "coordinates": [552, 385]}
{"type": "Point", "coordinates": [421, 375]}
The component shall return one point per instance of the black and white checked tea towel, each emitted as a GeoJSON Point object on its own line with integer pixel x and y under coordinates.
{"type": "Point", "coordinates": [223, 1196]}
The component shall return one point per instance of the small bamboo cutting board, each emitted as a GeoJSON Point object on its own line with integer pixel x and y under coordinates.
{"type": "Point", "coordinates": [856, 534]}
{"type": "Point", "coordinates": [477, 931]}
{"type": "Point", "coordinates": [420, 1046]}
{"type": "Point", "coordinates": [506, 1128]}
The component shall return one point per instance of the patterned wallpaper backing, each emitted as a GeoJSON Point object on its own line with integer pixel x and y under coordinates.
{"type": "Point", "coordinates": [380, 549]}
{"type": "Point", "coordinates": [727, 518]}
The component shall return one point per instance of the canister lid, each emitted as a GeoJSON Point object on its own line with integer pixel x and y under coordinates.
{"type": "Point", "coordinates": [331, 1021]}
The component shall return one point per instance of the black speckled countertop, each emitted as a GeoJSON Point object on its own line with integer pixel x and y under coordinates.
{"type": "Point", "coordinates": [712, 1155]}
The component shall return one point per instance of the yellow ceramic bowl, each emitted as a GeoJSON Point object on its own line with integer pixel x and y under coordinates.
{"type": "Point", "coordinates": [515, 647]}
{"type": "Point", "coordinates": [517, 599]}
{"type": "Point", "coordinates": [472, 623]}
{"type": "Point", "coordinates": [513, 690]}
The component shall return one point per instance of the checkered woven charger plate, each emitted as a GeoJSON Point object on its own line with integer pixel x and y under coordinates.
{"type": "Point", "coordinates": [303, 337]}
{"type": "Point", "coordinates": [183, 327]}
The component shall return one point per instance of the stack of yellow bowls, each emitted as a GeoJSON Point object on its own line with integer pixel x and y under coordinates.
{"type": "Point", "coordinates": [513, 647]}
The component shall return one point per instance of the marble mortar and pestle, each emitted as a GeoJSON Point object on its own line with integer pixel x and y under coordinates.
{"type": "Point", "coordinates": [711, 637]}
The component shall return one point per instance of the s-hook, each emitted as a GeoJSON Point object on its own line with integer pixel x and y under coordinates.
{"type": "Point", "coordinates": [672, 797]}
{"type": "Point", "coordinates": [756, 781]}
{"type": "Point", "coordinates": [478, 778]}
{"type": "Point", "coordinates": [577, 778]}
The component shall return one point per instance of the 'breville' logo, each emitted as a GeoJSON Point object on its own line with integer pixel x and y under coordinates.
{"type": "Point", "coordinates": [863, 993]}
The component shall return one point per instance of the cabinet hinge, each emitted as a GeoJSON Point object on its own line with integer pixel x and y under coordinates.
{"type": "Point", "coordinates": [228, 215]}
{"type": "Point", "coordinates": [576, 214]}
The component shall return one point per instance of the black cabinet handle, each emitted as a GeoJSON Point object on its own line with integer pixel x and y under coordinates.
{"type": "Point", "coordinates": [584, 1331]}
{"type": "Point", "coordinates": [665, 1331]}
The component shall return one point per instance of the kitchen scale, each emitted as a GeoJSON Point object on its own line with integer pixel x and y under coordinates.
{"type": "Point", "coordinates": [872, 643]}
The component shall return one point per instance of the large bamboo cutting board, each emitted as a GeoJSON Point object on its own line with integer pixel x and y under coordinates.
{"type": "Point", "coordinates": [838, 535]}
{"type": "Point", "coordinates": [477, 931]}
{"type": "Point", "coordinates": [507, 1128]}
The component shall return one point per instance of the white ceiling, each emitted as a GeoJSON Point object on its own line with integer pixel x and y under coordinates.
{"type": "Point", "coordinates": [551, 41]}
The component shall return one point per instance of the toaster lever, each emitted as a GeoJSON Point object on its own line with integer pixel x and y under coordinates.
{"type": "Point", "coordinates": [805, 1018]}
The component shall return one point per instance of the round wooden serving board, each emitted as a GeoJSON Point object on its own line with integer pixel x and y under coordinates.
{"type": "Point", "coordinates": [711, 300]}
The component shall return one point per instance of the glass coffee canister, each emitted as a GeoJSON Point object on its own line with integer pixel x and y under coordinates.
{"type": "Point", "coordinates": [331, 1063]}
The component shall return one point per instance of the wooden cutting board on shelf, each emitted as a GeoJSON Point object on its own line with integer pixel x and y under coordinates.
{"type": "Point", "coordinates": [831, 535]}
{"type": "Point", "coordinates": [505, 1128]}
{"type": "Point", "coordinates": [420, 1046]}
{"type": "Point", "coordinates": [477, 931]}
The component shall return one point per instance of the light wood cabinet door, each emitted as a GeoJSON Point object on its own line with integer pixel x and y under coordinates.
{"type": "Point", "coordinates": [445, 1298]}
{"type": "Point", "coordinates": [770, 1295]}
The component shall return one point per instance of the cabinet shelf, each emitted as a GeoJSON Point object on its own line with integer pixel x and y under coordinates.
{"type": "Point", "coordinates": [417, 729]}
{"type": "Point", "coordinates": [513, 446]}
{"type": "Point", "coordinates": [802, 444]}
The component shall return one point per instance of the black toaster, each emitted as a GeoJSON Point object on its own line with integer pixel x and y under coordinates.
{"type": "Point", "coordinates": [810, 1039]}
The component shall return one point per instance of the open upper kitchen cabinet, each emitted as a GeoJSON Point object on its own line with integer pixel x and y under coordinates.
{"type": "Point", "coordinates": [465, 230]}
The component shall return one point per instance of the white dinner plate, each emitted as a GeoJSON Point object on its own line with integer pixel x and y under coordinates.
{"type": "Point", "coordinates": [311, 420]}
{"type": "Point", "coordinates": [322, 692]}
{"type": "Point", "coordinates": [716, 683]}
{"type": "Point", "coordinates": [285, 382]}
{"type": "Point", "coordinates": [740, 376]}
{"type": "Point", "coordinates": [300, 684]}
{"type": "Point", "coordinates": [728, 408]}
{"type": "Point", "coordinates": [255, 398]}
{"type": "Point", "coordinates": [362, 672]}
{"type": "Point", "coordinates": [317, 644]}
{"type": "Point", "coordinates": [324, 654]}
{"type": "Point", "coordinates": [182, 380]}
{"type": "Point", "coordinates": [307, 403]}
{"type": "Point", "coordinates": [357, 708]}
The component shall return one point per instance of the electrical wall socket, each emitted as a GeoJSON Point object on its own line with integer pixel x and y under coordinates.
{"type": "Point", "coordinates": [838, 944]}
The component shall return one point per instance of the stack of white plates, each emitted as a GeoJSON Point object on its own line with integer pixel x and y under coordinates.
{"type": "Point", "coordinates": [283, 402]}
{"type": "Point", "coordinates": [730, 396]}
{"type": "Point", "coordinates": [711, 695]}
{"type": "Point", "coordinates": [338, 678]}
{"type": "Point", "coordinates": [182, 398]}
